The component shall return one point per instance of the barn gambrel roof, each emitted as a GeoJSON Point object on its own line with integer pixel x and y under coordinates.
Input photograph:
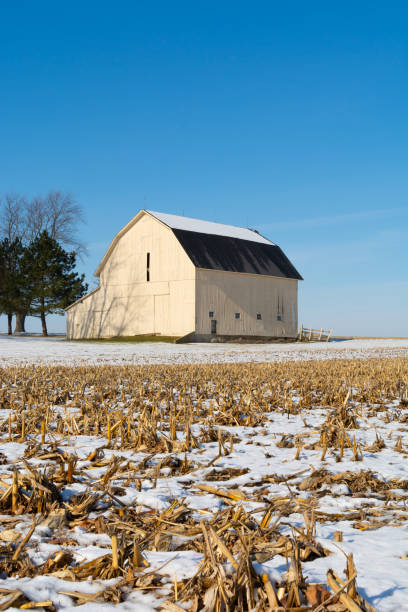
{"type": "Point", "coordinates": [235, 255]}
{"type": "Point", "coordinates": [216, 246]}
{"type": "Point", "coordinates": [208, 227]}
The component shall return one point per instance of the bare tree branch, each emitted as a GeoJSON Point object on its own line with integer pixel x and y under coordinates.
{"type": "Point", "coordinates": [13, 217]}
{"type": "Point", "coordinates": [57, 212]}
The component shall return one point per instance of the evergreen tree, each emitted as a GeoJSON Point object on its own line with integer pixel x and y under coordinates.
{"type": "Point", "coordinates": [57, 212]}
{"type": "Point", "coordinates": [50, 278]}
{"type": "Point", "coordinates": [11, 281]}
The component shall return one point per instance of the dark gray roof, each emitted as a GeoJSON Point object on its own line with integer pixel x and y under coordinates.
{"type": "Point", "coordinates": [213, 252]}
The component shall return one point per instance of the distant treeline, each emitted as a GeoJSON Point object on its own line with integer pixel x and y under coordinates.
{"type": "Point", "coordinates": [37, 271]}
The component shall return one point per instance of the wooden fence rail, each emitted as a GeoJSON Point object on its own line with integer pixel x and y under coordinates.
{"type": "Point", "coordinates": [308, 334]}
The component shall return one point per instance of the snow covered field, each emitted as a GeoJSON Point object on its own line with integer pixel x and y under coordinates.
{"type": "Point", "coordinates": [243, 449]}
{"type": "Point", "coordinates": [15, 350]}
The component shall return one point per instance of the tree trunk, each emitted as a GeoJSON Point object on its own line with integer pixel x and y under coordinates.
{"type": "Point", "coordinates": [42, 316]}
{"type": "Point", "coordinates": [20, 322]}
{"type": "Point", "coordinates": [10, 324]}
{"type": "Point", "coordinates": [44, 324]}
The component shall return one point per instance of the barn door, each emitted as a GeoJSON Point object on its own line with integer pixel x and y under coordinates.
{"type": "Point", "coordinates": [213, 326]}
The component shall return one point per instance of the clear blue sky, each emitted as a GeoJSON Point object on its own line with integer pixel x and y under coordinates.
{"type": "Point", "coordinates": [290, 117]}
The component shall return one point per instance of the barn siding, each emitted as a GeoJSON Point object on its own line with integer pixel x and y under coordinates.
{"type": "Point", "coordinates": [126, 304]}
{"type": "Point", "coordinates": [225, 293]}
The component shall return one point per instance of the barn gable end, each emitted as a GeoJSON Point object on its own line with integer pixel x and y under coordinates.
{"type": "Point", "coordinates": [144, 277]}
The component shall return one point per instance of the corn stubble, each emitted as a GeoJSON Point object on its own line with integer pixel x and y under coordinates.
{"type": "Point", "coordinates": [167, 415]}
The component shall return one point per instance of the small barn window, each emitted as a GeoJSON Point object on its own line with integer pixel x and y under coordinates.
{"type": "Point", "coordinates": [237, 315]}
{"type": "Point", "coordinates": [259, 316]}
{"type": "Point", "coordinates": [148, 267]}
{"type": "Point", "coordinates": [211, 314]}
{"type": "Point", "coordinates": [279, 315]}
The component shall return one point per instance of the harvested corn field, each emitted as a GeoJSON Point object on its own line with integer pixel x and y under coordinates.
{"type": "Point", "coordinates": [279, 486]}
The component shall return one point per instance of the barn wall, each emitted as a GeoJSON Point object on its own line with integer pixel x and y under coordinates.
{"type": "Point", "coordinates": [126, 304]}
{"type": "Point", "coordinates": [225, 293]}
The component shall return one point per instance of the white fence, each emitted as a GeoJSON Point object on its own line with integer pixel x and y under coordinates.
{"type": "Point", "coordinates": [314, 335]}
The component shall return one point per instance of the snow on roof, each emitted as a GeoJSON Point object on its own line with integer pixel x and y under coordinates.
{"type": "Point", "coordinates": [208, 227]}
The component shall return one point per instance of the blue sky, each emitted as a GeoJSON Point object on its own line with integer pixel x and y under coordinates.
{"type": "Point", "coordinates": [288, 117]}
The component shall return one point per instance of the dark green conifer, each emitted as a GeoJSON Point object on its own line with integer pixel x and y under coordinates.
{"type": "Point", "coordinates": [11, 281]}
{"type": "Point", "coordinates": [50, 278]}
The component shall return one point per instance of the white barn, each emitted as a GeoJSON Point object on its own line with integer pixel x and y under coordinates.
{"type": "Point", "coordinates": [175, 276]}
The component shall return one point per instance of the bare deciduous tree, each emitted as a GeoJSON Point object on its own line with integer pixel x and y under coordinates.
{"type": "Point", "coordinates": [58, 214]}
{"type": "Point", "coordinates": [13, 217]}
